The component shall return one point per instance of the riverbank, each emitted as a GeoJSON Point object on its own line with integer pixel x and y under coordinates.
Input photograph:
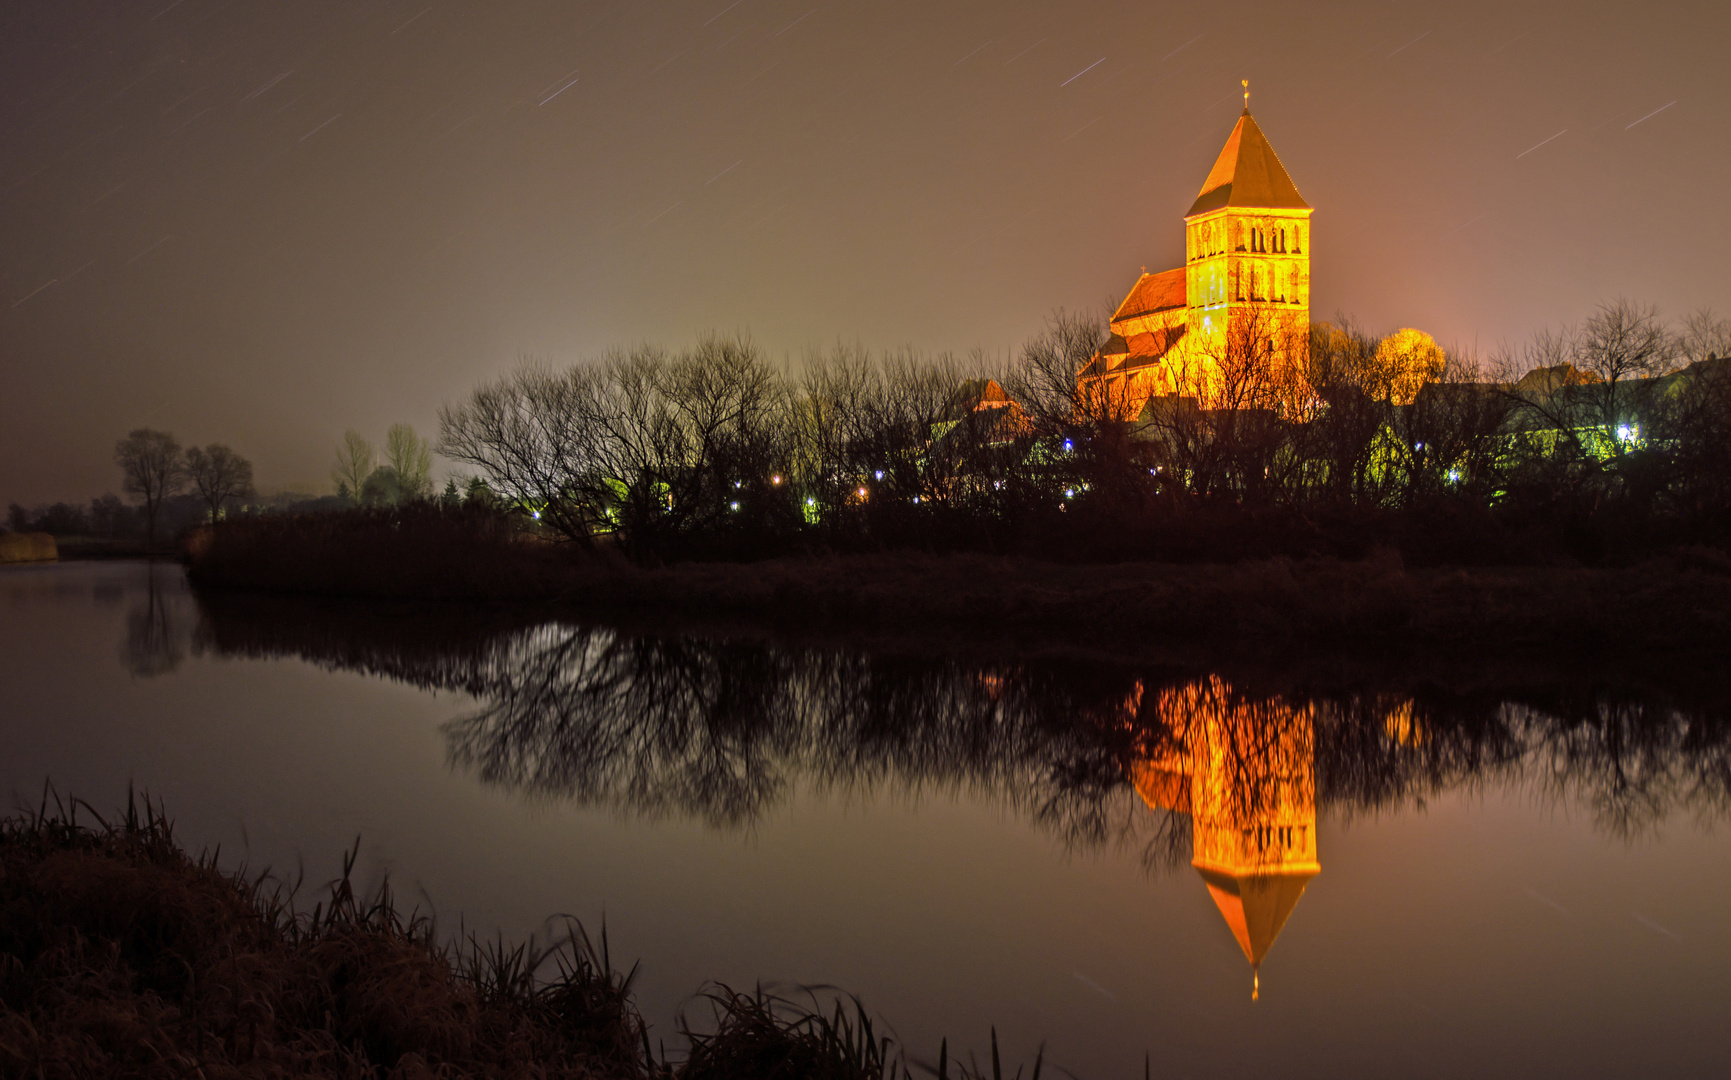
{"type": "Point", "coordinates": [1677, 603]}
{"type": "Point", "coordinates": [81, 548]}
{"type": "Point", "coordinates": [124, 955]}
{"type": "Point", "coordinates": [16, 547]}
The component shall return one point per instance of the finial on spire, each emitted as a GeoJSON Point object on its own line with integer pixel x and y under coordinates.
{"type": "Point", "coordinates": [1255, 984]}
{"type": "Point", "coordinates": [1246, 83]}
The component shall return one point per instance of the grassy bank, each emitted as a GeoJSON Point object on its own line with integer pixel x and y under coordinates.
{"type": "Point", "coordinates": [122, 955]}
{"type": "Point", "coordinates": [1679, 602]}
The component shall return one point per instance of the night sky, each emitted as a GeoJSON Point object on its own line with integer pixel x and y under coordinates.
{"type": "Point", "coordinates": [263, 223]}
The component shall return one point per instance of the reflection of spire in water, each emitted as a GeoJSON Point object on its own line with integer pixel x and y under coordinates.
{"type": "Point", "coordinates": [1245, 773]}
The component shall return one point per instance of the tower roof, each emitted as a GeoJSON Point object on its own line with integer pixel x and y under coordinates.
{"type": "Point", "coordinates": [1152, 293]}
{"type": "Point", "coordinates": [1248, 173]}
{"type": "Point", "coordinates": [1256, 905]}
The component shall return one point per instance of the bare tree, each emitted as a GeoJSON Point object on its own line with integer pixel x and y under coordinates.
{"type": "Point", "coordinates": [1625, 340]}
{"type": "Point", "coordinates": [1450, 438]}
{"type": "Point", "coordinates": [1240, 392]}
{"type": "Point", "coordinates": [1343, 440]}
{"type": "Point", "coordinates": [1594, 388]}
{"type": "Point", "coordinates": [838, 389]}
{"type": "Point", "coordinates": [535, 436]}
{"type": "Point", "coordinates": [1046, 382]}
{"type": "Point", "coordinates": [219, 474]}
{"type": "Point", "coordinates": [1705, 335]}
{"type": "Point", "coordinates": [355, 461]}
{"type": "Point", "coordinates": [412, 459]}
{"type": "Point", "coordinates": [153, 468]}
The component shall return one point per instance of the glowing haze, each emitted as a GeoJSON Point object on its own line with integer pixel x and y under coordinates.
{"type": "Point", "coordinates": [263, 223]}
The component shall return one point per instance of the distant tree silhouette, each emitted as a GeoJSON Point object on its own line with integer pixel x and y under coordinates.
{"type": "Point", "coordinates": [219, 474]}
{"type": "Point", "coordinates": [411, 458]}
{"type": "Point", "coordinates": [383, 487]}
{"type": "Point", "coordinates": [153, 468]}
{"type": "Point", "coordinates": [355, 461]}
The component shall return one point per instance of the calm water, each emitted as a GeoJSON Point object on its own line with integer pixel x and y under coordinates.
{"type": "Point", "coordinates": [1507, 881]}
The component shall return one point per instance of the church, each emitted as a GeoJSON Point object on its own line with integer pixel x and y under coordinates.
{"type": "Point", "coordinates": [1246, 275]}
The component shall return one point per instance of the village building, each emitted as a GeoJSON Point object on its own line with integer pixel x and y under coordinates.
{"type": "Point", "coordinates": [1245, 280]}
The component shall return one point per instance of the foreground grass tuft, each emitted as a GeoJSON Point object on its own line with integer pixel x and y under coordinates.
{"type": "Point", "coordinates": [121, 955]}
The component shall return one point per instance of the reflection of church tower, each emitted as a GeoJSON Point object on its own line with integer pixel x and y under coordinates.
{"type": "Point", "coordinates": [1245, 773]}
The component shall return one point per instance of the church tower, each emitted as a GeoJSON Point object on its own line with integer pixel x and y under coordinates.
{"type": "Point", "coordinates": [1242, 297]}
{"type": "Point", "coordinates": [1247, 244]}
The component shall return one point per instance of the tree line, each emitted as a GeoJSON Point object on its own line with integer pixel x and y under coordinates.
{"type": "Point", "coordinates": [178, 486]}
{"type": "Point", "coordinates": [156, 469]}
{"type": "Point", "coordinates": [1592, 438]}
{"type": "Point", "coordinates": [406, 473]}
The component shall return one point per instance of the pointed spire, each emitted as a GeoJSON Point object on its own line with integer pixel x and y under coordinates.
{"type": "Point", "coordinates": [1248, 172]}
{"type": "Point", "coordinates": [1256, 902]}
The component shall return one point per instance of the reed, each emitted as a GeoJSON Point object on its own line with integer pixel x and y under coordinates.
{"type": "Point", "coordinates": [1670, 604]}
{"type": "Point", "coordinates": [123, 955]}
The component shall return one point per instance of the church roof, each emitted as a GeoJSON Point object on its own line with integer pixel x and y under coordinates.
{"type": "Point", "coordinates": [1151, 293]}
{"type": "Point", "coordinates": [1248, 173]}
{"type": "Point", "coordinates": [972, 395]}
{"type": "Point", "coordinates": [1256, 905]}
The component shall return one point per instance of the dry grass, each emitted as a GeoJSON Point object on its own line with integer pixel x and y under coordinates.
{"type": "Point", "coordinates": [17, 547]}
{"type": "Point", "coordinates": [121, 955]}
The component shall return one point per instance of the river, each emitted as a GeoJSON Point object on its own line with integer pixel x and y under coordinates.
{"type": "Point", "coordinates": [1412, 877]}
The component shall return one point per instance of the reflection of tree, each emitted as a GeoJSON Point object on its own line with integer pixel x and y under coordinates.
{"type": "Point", "coordinates": [655, 726]}
{"type": "Point", "coordinates": [723, 730]}
{"type": "Point", "coordinates": [1634, 763]}
{"type": "Point", "coordinates": [156, 639]}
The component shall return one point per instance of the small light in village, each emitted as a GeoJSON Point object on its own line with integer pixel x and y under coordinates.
{"type": "Point", "coordinates": [775, 480]}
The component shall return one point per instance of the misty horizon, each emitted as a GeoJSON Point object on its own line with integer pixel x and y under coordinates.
{"type": "Point", "coordinates": [261, 227]}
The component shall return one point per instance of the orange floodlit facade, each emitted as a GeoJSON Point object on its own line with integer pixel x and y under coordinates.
{"type": "Point", "coordinates": [1244, 770]}
{"type": "Point", "coordinates": [1244, 287]}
